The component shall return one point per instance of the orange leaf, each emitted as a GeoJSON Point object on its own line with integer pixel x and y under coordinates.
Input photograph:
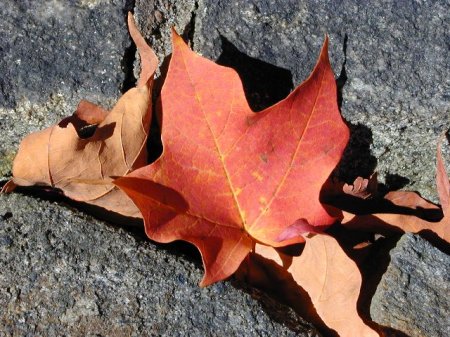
{"type": "Point", "coordinates": [82, 167]}
{"type": "Point", "coordinates": [331, 279]}
{"type": "Point", "coordinates": [243, 176]}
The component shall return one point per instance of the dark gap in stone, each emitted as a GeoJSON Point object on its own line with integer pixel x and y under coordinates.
{"type": "Point", "coordinates": [7, 216]}
{"type": "Point", "coordinates": [154, 141]}
{"type": "Point", "coordinates": [189, 30]}
{"type": "Point", "coordinates": [342, 79]}
{"type": "Point", "coordinates": [128, 7]}
{"type": "Point", "coordinates": [127, 65]}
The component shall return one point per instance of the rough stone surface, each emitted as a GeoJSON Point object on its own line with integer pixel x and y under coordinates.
{"type": "Point", "coordinates": [53, 54]}
{"type": "Point", "coordinates": [396, 93]}
{"type": "Point", "coordinates": [69, 274]}
{"type": "Point", "coordinates": [156, 18]}
{"type": "Point", "coordinates": [65, 273]}
{"type": "Point", "coordinates": [413, 293]}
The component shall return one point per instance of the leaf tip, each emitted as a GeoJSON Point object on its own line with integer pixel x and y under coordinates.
{"type": "Point", "coordinates": [129, 18]}
{"type": "Point", "coordinates": [8, 187]}
{"type": "Point", "coordinates": [177, 40]}
{"type": "Point", "coordinates": [324, 51]}
{"type": "Point", "coordinates": [149, 60]}
{"type": "Point", "coordinates": [132, 25]}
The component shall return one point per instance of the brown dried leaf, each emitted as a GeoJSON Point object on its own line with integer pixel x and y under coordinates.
{"type": "Point", "coordinates": [83, 167]}
{"type": "Point", "coordinates": [331, 279]}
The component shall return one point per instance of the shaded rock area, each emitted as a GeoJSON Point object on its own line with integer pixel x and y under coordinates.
{"type": "Point", "coordinates": [52, 55]}
{"type": "Point", "coordinates": [65, 273]}
{"type": "Point", "coordinates": [395, 81]}
{"type": "Point", "coordinates": [413, 293]}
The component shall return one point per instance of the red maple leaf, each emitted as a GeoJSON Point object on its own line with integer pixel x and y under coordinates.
{"type": "Point", "coordinates": [228, 176]}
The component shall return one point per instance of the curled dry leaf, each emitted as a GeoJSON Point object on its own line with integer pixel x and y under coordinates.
{"type": "Point", "coordinates": [61, 156]}
{"type": "Point", "coordinates": [362, 188]}
{"type": "Point", "coordinates": [408, 221]}
{"type": "Point", "coordinates": [330, 278]}
{"type": "Point", "coordinates": [239, 176]}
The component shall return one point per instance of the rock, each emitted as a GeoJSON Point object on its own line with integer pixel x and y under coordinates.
{"type": "Point", "coordinates": [70, 274]}
{"type": "Point", "coordinates": [395, 93]}
{"type": "Point", "coordinates": [155, 20]}
{"type": "Point", "coordinates": [413, 293]}
{"type": "Point", "coordinates": [53, 54]}
{"type": "Point", "coordinates": [65, 273]}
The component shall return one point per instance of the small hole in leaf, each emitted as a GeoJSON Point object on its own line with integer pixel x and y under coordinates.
{"type": "Point", "coordinates": [87, 131]}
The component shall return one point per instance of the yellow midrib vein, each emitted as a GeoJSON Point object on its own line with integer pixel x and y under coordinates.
{"type": "Point", "coordinates": [219, 152]}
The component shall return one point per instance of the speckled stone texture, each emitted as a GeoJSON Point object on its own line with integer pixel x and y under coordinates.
{"type": "Point", "coordinates": [65, 273]}
{"type": "Point", "coordinates": [68, 47]}
{"type": "Point", "coordinates": [52, 55]}
{"type": "Point", "coordinates": [156, 18]}
{"type": "Point", "coordinates": [413, 295]}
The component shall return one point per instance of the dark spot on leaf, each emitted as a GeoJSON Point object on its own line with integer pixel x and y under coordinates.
{"type": "Point", "coordinates": [87, 131]}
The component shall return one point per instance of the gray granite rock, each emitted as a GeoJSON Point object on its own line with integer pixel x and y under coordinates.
{"type": "Point", "coordinates": [53, 54]}
{"type": "Point", "coordinates": [396, 93]}
{"type": "Point", "coordinates": [413, 293]}
{"type": "Point", "coordinates": [156, 18]}
{"type": "Point", "coordinates": [65, 273]}
{"type": "Point", "coordinates": [68, 273]}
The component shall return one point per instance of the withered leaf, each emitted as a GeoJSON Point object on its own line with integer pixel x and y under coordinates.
{"type": "Point", "coordinates": [61, 156]}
